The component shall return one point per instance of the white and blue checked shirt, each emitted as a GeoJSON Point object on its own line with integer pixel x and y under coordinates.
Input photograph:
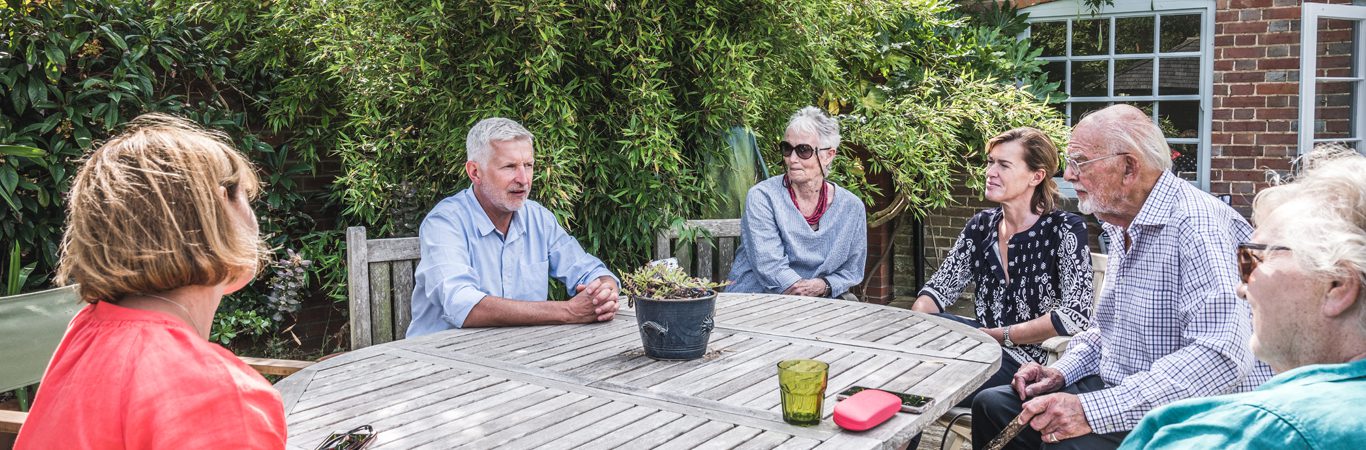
{"type": "Point", "coordinates": [1169, 325]}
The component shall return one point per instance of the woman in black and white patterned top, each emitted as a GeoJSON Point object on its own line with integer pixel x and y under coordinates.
{"type": "Point", "coordinates": [1044, 288]}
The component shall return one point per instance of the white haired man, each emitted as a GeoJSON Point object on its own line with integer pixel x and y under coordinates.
{"type": "Point", "coordinates": [1303, 273]}
{"type": "Point", "coordinates": [488, 251]}
{"type": "Point", "coordinates": [1168, 325]}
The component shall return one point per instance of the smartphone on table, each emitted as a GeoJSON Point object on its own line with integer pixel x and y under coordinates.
{"type": "Point", "coordinates": [911, 403]}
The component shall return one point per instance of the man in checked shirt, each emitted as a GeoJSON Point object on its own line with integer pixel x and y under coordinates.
{"type": "Point", "coordinates": [1168, 326]}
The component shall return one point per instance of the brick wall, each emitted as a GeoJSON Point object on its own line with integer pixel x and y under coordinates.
{"type": "Point", "coordinates": [1255, 114]}
{"type": "Point", "coordinates": [1256, 92]}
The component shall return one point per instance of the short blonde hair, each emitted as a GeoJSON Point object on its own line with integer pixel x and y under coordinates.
{"type": "Point", "coordinates": [144, 214]}
{"type": "Point", "coordinates": [1321, 215]}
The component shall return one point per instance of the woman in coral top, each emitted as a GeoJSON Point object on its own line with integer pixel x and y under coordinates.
{"type": "Point", "coordinates": [159, 229]}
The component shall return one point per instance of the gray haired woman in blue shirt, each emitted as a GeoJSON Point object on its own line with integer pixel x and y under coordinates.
{"type": "Point", "coordinates": [800, 233]}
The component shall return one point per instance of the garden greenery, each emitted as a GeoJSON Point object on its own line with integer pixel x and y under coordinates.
{"type": "Point", "coordinates": [630, 103]}
{"type": "Point", "coordinates": [72, 72]}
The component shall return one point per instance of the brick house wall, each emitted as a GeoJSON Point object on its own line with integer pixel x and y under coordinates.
{"type": "Point", "coordinates": [1255, 102]}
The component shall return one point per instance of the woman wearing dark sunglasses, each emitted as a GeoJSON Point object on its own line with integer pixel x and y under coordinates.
{"type": "Point", "coordinates": [1304, 273]}
{"type": "Point", "coordinates": [800, 233]}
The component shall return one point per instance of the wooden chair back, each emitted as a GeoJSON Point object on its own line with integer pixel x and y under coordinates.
{"type": "Point", "coordinates": [1098, 262]}
{"type": "Point", "coordinates": [712, 251]}
{"type": "Point", "coordinates": [379, 281]}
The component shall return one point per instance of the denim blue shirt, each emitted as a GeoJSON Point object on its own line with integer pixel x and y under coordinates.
{"type": "Point", "coordinates": [1321, 406]}
{"type": "Point", "coordinates": [464, 259]}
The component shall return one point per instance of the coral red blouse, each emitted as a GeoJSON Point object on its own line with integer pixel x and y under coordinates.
{"type": "Point", "coordinates": [128, 378]}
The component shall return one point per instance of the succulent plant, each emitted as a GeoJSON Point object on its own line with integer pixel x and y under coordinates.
{"type": "Point", "coordinates": [664, 280]}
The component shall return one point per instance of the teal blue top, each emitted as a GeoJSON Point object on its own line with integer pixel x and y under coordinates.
{"type": "Point", "coordinates": [1312, 407]}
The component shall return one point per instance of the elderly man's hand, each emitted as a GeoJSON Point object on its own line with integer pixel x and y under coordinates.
{"type": "Point", "coordinates": [812, 287]}
{"type": "Point", "coordinates": [1056, 416]}
{"type": "Point", "coordinates": [601, 294]}
{"type": "Point", "coordinates": [1033, 379]}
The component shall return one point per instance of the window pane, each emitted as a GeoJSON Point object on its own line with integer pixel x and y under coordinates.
{"type": "Point", "coordinates": [1049, 36]}
{"type": "Point", "coordinates": [1081, 109]}
{"type": "Point", "coordinates": [1133, 35]}
{"type": "Point", "coordinates": [1133, 77]}
{"type": "Point", "coordinates": [1181, 33]}
{"type": "Point", "coordinates": [1178, 76]}
{"type": "Point", "coordinates": [1089, 37]}
{"type": "Point", "coordinates": [1333, 109]}
{"type": "Point", "coordinates": [1179, 119]}
{"type": "Point", "coordinates": [1334, 47]}
{"type": "Point", "coordinates": [1090, 78]}
{"type": "Point", "coordinates": [1146, 107]}
{"type": "Point", "coordinates": [1057, 73]}
{"type": "Point", "coordinates": [1186, 160]}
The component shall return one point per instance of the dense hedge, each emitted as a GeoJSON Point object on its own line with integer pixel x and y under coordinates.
{"type": "Point", "coordinates": [630, 101]}
{"type": "Point", "coordinates": [72, 72]}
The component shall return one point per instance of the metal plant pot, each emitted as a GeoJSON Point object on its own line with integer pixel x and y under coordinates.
{"type": "Point", "coordinates": [675, 329]}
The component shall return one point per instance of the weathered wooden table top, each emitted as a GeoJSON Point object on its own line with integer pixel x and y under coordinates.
{"type": "Point", "coordinates": [591, 386]}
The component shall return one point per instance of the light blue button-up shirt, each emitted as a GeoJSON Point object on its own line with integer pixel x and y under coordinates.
{"type": "Point", "coordinates": [464, 259]}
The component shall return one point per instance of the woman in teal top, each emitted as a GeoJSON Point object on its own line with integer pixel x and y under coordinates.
{"type": "Point", "coordinates": [1304, 273]}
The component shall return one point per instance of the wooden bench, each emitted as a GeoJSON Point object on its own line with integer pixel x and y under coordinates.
{"type": "Point", "coordinates": [713, 250]}
{"type": "Point", "coordinates": [379, 281]}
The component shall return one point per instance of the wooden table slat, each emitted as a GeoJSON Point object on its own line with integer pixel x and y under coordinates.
{"type": "Point", "coordinates": [730, 439]}
{"type": "Point", "coordinates": [624, 432]}
{"type": "Point", "coordinates": [703, 433]}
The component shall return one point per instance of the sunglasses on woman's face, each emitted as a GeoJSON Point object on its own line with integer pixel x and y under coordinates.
{"type": "Point", "coordinates": [803, 151]}
{"type": "Point", "coordinates": [1250, 255]}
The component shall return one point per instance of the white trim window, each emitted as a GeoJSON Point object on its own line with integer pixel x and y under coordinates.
{"type": "Point", "coordinates": [1333, 78]}
{"type": "Point", "coordinates": [1156, 55]}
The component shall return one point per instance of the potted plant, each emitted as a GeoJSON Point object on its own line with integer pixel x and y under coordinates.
{"type": "Point", "coordinates": [673, 311]}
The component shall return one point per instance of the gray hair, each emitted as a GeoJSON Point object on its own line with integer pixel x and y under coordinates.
{"type": "Point", "coordinates": [1322, 214]}
{"type": "Point", "coordinates": [814, 121]}
{"type": "Point", "coordinates": [1124, 128]}
{"type": "Point", "coordinates": [479, 142]}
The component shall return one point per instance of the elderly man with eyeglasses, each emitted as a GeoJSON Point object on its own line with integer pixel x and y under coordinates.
{"type": "Point", "coordinates": [1303, 273]}
{"type": "Point", "coordinates": [1168, 325]}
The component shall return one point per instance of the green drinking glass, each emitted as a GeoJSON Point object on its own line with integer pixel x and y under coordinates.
{"type": "Point", "coordinates": [803, 390]}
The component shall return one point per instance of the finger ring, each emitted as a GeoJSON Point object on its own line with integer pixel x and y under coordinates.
{"type": "Point", "coordinates": [1053, 437]}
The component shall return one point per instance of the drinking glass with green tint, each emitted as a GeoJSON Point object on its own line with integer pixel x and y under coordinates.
{"type": "Point", "coordinates": [803, 389]}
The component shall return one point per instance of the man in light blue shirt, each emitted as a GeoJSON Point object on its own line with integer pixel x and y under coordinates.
{"type": "Point", "coordinates": [488, 251]}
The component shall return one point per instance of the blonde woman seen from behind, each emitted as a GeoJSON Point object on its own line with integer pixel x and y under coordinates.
{"type": "Point", "coordinates": [159, 229]}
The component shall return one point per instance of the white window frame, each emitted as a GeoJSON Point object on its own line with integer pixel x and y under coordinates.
{"type": "Point", "coordinates": [1074, 9]}
{"type": "Point", "coordinates": [1310, 13]}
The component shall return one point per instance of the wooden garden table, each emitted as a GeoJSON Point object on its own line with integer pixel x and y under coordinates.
{"type": "Point", "coordinates": [590, 386]}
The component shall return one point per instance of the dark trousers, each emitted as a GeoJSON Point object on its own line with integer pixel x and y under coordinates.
{"type": "Point", "coordinates": [994, 408]}
{"type": "Point", "coordinates": [1002, 376]}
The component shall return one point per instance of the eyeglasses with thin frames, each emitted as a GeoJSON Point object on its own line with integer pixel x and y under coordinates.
{"type": "Point", "coordinates": [1076, 166]}
{"type": "Point", "coordinates": [1251, 255]}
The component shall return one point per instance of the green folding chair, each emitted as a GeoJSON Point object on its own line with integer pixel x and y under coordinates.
{"type": "Point", "coordinates": [31, 326]}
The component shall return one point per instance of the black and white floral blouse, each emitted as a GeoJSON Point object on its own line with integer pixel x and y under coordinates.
{"type": "Point", "coordinates": [1050, 273]}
